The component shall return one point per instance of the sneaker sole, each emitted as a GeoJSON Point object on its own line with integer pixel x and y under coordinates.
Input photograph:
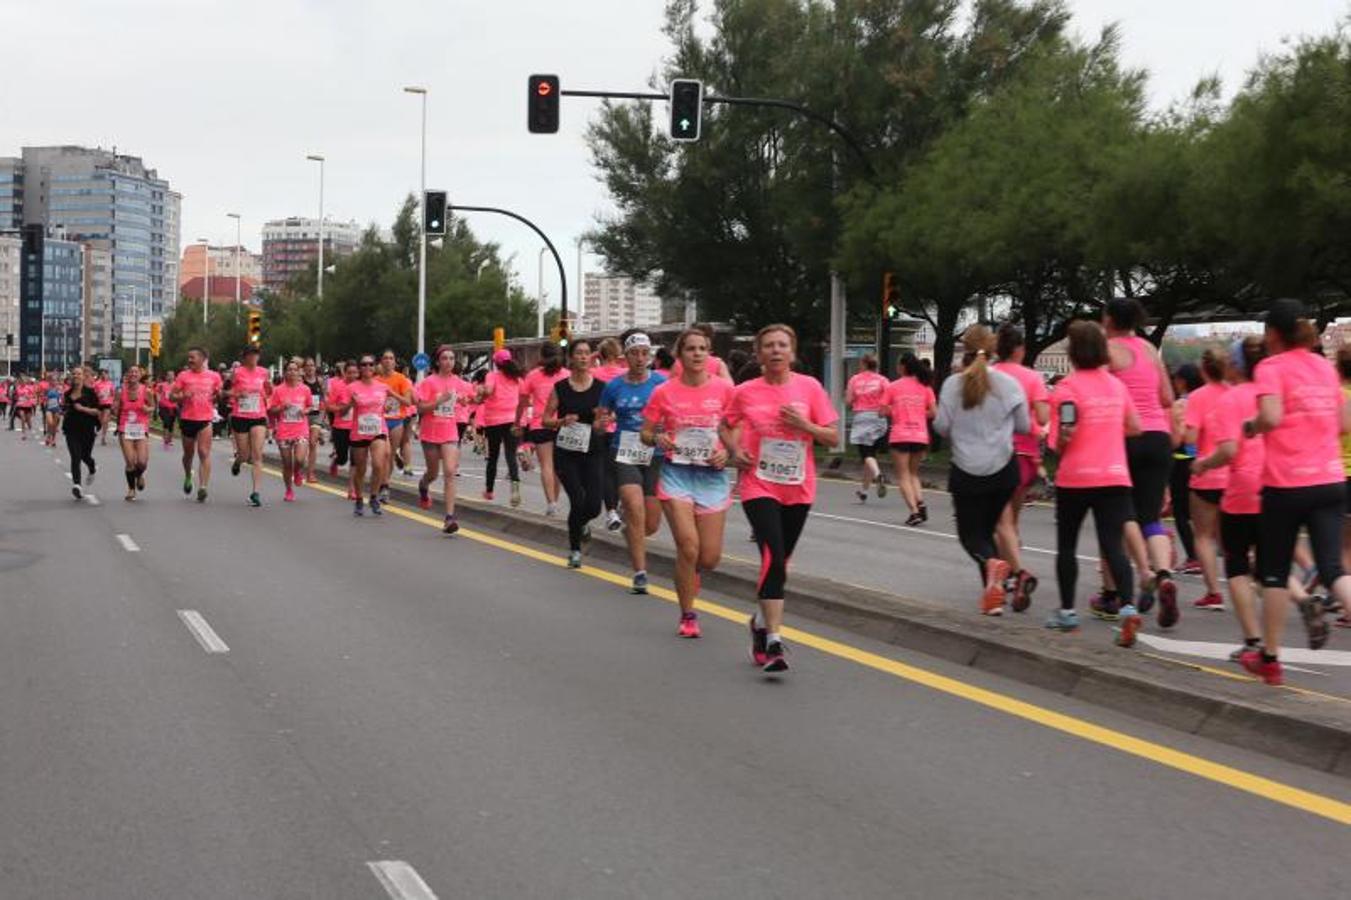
{"type": "Point", "coordinates": [1022, 596]}
{"type": "Point", "coordinates": [775, 666]}
{"type": "Point", "coordinates": [1311, 611]}
{"type": "Point", "coordinates": [1130, 627]}
{"type": "Point", "coordinates": [1169, 615]}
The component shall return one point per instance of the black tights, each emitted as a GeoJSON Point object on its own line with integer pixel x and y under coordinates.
{"type": "Point", "coordinates": [80, 449]}
{"type": "Point", "coordinates": [342, 444]}
{"type": "Point", "coordinates": [582, 477]}
{"type": "Point", "coordinates": [1180, 487]}
{"type": "Point", "coordinates": [1112, 509]}
{"type": "Point", "coordinates": [979, 501]}
{"type": "Point", "coordinates": [777, 528]}
{"type": "Point", "coordinates": [497, 436]}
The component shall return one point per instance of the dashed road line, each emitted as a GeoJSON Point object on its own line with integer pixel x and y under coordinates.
{"type": "Point", "coordinates": [400, 880]}
{"type": "Point", "coordinates": [205, 635]}
{"type": "Point", "coordinates": [128, 544]}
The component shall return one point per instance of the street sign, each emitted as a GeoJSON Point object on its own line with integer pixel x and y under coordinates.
{"type": "Point", "coordinates": [422, 362]}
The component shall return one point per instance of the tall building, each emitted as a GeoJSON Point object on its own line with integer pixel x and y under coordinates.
{"type": "Point", "coordinates": [290, 246]}
{"type": "Point", "coordinates": [51, 305]}
{"type": "Point", "coordinates": [97, 327]}
{"type": "Point", "coordinates": [117, 204]}
{"type": "Point", "coordinates": [11, 255]}
{"type": "Point", "coordinates": [199, 260]}
{"type": "Point", "coordinates": [11, 193]}
{"type": "Point", "coordinates": [612, 303]}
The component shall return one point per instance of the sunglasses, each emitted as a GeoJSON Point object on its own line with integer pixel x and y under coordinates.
{"type": "Point", "coordinates": [366, 362]}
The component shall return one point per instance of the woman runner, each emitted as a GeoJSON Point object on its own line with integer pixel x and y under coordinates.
{"type": "Point", "coordinates": [80, 425]}
{"type": "Point", "coordinates": [290, 405]}
{"type": "Point", "coordinates": [868, 431]}
{"type": "Point", "coordinates": [1012, 350]}
{"type": "Point", "coordinates": [1186, 378]}
{"type": "Point", "coordinates": [610, 365]}
{"type": "Point", "coordinates": [775, 420]}
{"type": "Point", "coordinates": [168, 409]}
{"type": "Point", "coordinates": [250, 388]}
{"type": "Point", "coordinates": [909, 404]}
{"type": "Point", "coordinates": [580, 445]}
{"type": "Point", "coordinates": [439, 397]}
{"type": "Point", "coordinates": [398, 409]}
{"type": "Point", "coordinates": [499, 398]}
{"type": "Point", "coordinates": [367, 401]}
{"type": "Point", "coordinates": [1207, 486]}
{"type": "Point", "coordinates": [685, 420]}
{"type": "Point", "coordinates": [336, 400]}
{"type": "Point", "coordinates": [196, 390]}
{"type": "Point", "coordinates": [536, 389]}
{"type": "Point", "coordinates": [132, 406]}
{"type": "Point", "coordinates": [309, 376]}
{"type": "Point", "coordinates": [52, 392]}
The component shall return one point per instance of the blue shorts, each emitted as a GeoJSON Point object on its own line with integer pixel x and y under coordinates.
{"type": "Point", "coordinates": [709, 489]}
{"type": "Point", "coordinates": [391, 424]}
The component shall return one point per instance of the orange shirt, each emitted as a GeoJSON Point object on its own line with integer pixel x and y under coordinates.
{"type": "Point", "coordinates": [398, 383]}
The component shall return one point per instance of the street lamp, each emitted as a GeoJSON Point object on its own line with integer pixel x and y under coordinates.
{"type": "Point", "coordinates": [235, 216]}
{"type": "Point", "coordinates": [206, 277]}
{"type": "Point", "coordinates": [315, 157]}
{"type": "Point", "coordinates": [540, 296]}
{"type": "Point", "coordinates": [422, 230]}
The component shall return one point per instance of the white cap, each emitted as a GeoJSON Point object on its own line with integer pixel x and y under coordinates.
{"type": "Point", "coordinates": [637, 339]}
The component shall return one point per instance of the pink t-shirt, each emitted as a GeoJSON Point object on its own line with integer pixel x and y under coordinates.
{"type": "Point", "coordinates": [785, 467]}
{"type": "Point", "coordinates": [339, 393]}
{"type": "Point", "coordinates": [910, 403]}
{"type": "Point", "coordinates": [1096, 455]}
{"type": "Point", "coordinates": [1200, 404]}
{"type": "Point", "coordinates": [538, 385]}
{"type": "Point", "coordinates": [291, 404]}
{"type": "Point", "coordinates": [609, 371]}
{"type": "Point", "coordinates": [865, 391]}
{"type": "Point", "coordinates": [198, 390]}
{"type": "Point", "coordinates": [1141, 379]}
{"type": "Point", "coordinates": [1304, 450]}
{"type": "Point", "coordinates": [1034, 388]}
{"type": "Point", "coordinates": [250, 389]}
{"type": "Point", "coordinates": [25, 395]}
{"type": "Point", "coordinates": [438, 424]}
{"type": "Point", "coordinates": [135, 406]}
{"type": "Point", "coordinates": [1243, 493]}
{"type": "Point", "coordinates": [369, 411]}
{"type": "Point", "coordinates": [104, 391]}
{"type": "Point", "coordinates": [715, 367]}
{"type": "Point", "coordinates": [499, 408]}
{"type": "Point", "coordinates": [690, 416]}
{"type": "Point", "coordinates": [162, 390]}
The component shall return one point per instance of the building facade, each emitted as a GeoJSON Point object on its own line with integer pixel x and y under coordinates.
{"type": "Point", "coordinates": [98, 323]}
{"type": "Point", "coordinates": [291, 246]}
{"type": "Point", "coordinates": [613, 303]}
{"type": "Point", "coordinates": [199, 260]}
{"type": "Point", "coordinates": [11, 256]}
{"type": "Point", "coordinates": [51, 300]}
{"type": "Point", "coordinates": [11, 193]}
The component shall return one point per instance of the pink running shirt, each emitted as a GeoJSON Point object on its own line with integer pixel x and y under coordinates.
{"type": "Point", "coordinates": [538, 385]}
{"type": "Point", "coordinates": [250, 389]}
{"type": "Point", "coordinates": [499, 408]}
{"type": "Point", "coordinates": [1141, 379]}
{"type": "Point", "coordinates": [291, 404]}
{"type": "Point", "coordinates": [368, 414]}
{"type": "Point", "coordinates": [1200, 404]}
{"type": "Point", "coordinates": [1096, 455]}
{"type": "Point", "coordinates": [865, 390]}
{"type": "Point", "coordinates": [438, 424]}
{"type": "Point", "coordinates": [1034, 388]}
{"type": "Point", "coordinates": [910, 403]}
{"type": "Point", "coordinates": [339, 393]}
{"type": "Point", "coordinates": [135, 408]}
{"type": "Point", "coordinates": [1243, 494]}
{"type": "Point", "coordinates": [690, 416]}
{"type": "Point", "coordinates": [1305, 449]}
{"type": "Point", "coordinates": [198, 390]}
{"type": "Point", "coordinates": [785, 466]}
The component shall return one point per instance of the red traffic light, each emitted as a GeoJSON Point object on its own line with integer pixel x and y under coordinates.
{"type": "Point", "coordinates": [544, 89]}
{"type": "Point", "coordinates": [543, 102]}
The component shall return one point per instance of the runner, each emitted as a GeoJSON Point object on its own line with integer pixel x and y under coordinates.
{"type": "Point", "coordinates": [685, 420]}
{"type": "Point", "coordinates": [499, 398]}
{"type": "Point", "coordinates": [580, 446]}
{"type": "Point", "coordinates": [1344, 372]}
{"type": "Point", "coordinates": [367, 399]}
{"type": "Point", "coordinates": [25, 399]}
{"type": "Point", "coordinates": [1302, 414]}
{"type": "Point", "coordinates": [250, 388]}
{"type": "Point", "coordinates": [439, 396]}
{"type": "Point", "coordinates": [132, 406]}
{"type": "Point", "coordinates": [979, 411]}
{"type": "Point", "coordinates": [336, 402]}
{"type": "Point", "coordinates": [610, 365]}
{"type": "Point", "coordinates": [52, 391]}
{"type": "Point", "coordinates": [1091, 417]}
{"type": "Point", "coordinates": [1011, 347]}
{"type": "Point", "coordinates": [168, 409]}
{"type": "Point", "coordinates": [536, 389]}
{"type": "Point", "coordinates": [868, 431]}
{"type": "Point", "coordinates": [309, 376]}
{"type": "Point", "coordinates": [1137, 365]}
{"type": "Point", "coordinates": [774, 421]}
{"type": "Point", "coordinates": [1186, 378]}
{"type": "Point", "coordinates": [716, 366]}
{"type": "Point", "coordinates": [1207, 486]}
{"type": "Point", "coordinates": [909, 404]}
{"type": "Point", "coordinates": [636, 465]}
{"type": "Point", "coordinates": [398, 406]}
{"type": "Point", "coordinates": [289, 404]}
{"type": "Point", "coordinates": [80, 425]}
{"type": "Point", "coordinates": [104, 389]}
{"type": "Point", "coordinates": [196, 390]}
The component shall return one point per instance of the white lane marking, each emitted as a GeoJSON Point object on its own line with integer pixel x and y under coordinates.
{"type": "Point", "coordinates": [93, 501]}
{"type": "Point", "coordinates": [69, 477]}
{"type": "Point", "coordinates": [400, 880]}
{"type": "Point", "coordinates": [930, 531]}
{"type": "Point", "coordinates": [203, 632]}
{"type": "Point", "coordinates": [128, 544]}
{"type": "Point", "coordinates": [1211, 650]}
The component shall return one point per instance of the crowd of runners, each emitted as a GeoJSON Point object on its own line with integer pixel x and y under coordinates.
{"type": "Point", "coordinates": [1249, 452]}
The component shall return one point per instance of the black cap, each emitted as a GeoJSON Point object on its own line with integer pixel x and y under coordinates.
{"type": "Point", "coordinates": [1284, 315]}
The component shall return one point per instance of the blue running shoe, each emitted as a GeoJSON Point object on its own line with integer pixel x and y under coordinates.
{"type": "Point", "coordinates": [1063, 620]}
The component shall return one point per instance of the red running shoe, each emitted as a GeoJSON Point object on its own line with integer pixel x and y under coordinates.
{"type": "Point", "coordinates": [758, 639]}
{"type": "Point", "coordinates": [689, 625]}
{"type": "Point", "coordinates": [1270, 672]}
{"type": "Point", "coordinates": [290, 495]}
{"type": "Point", "coordinates": [1190, 567]}
{"type": "Point", "coordinates": [1168, 611]}
{"type": "Point", "coordinates": [1212, 602]}
{"type": "Point", "coordinates": [992, 601]}
{"type": "Point", "coordinates": [1025, 583]}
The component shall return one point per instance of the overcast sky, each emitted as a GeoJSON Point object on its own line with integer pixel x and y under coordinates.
{"type": "Point", "coordinates": [226, 99]}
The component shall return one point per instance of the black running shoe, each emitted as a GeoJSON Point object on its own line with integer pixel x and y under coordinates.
{"type": "Point", "coordinates": [758, 637]}
{"type": "Point", "coordinates": [774, 658]}
{"type": "Point", "coordinates": [236, 466]}
{"type": "Point", "coordinates": [1168, 611]}
{"type": "Point", "coordinates": [451, 526]}
{"type": "Point", "coordinates": [1311, 610]}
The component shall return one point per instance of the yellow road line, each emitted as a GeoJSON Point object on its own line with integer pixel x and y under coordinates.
{"type": "Point", "coordinates": [1235, 676]}
{"type": "Point", "coordinates": [1275, 791]}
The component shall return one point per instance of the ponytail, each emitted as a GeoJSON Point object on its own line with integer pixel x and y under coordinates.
{"type": "Point", "coordinates": [979, 344]}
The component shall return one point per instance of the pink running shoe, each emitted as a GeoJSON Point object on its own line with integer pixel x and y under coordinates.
{"type": "Point", "coordinates": [689, 626]}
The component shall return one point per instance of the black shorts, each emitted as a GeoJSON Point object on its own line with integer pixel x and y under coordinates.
{"type": "Point", "coordinates": [189, 428]}
{"type": "Point", "coordinates": [869, 451]}
{"type": "Point", "coordinates": [1150, 459]}
{"type": "Point", "coordinates": [644, 476]}
{"type": "Point", "coordinates": [244, 426]}
{"type": "Point", "coordinates": [1320, 509]}
{"type": "Point", "coordinates": [1209, 495]}
{"type": "Point", "coordinates": [1238, 537]}
{"type": "Point", "coordinates": [1348, 496]}
{"type": "Point", "coordinates": [909, 447]}
{"type": "Point", "coordinates": [366, 442]}
{"type": "Point", "coordinates": [539, 436]}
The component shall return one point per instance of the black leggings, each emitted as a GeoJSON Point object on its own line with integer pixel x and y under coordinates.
{"type": "Point", "coordinates": [1111, 508]}
{"type": "Point", "coordinates": [611, 488]}
{"type": "Point", "coordinates": [777, 528]}
{"type": "Point", "coordinates": [1150, 458]}
{"type": "Point", "coordinates": [1238, 536]}
{"type": "Point", "coordinates": [1320, 509]}
{"type": "Point", "coordinates": [979, 501]}
{"type": "Point", "coordinates": [582, 476]}
{"type": "Point", "coordinates": [80, 449]}
{"type": "Point", "coordinates": [498, 435]}
{"type": "Point", "coordinates": [166, 419]}
{"type": "Point", "coordinates": [342, 445]}
{"type": "Point", "coordinates": [1179, 485]}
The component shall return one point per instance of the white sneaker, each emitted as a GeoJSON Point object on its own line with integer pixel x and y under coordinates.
{"type": "Point", "coordinates": [612, 521]}
{"type": "Point", "coordinates": [551, 510]}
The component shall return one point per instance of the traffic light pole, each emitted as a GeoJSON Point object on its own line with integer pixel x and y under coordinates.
{"type": "Point", "coordinates": [558, 260]}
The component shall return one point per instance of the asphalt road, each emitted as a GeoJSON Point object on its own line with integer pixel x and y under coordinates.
{"type": "Point", "coordinates": [501, 727]}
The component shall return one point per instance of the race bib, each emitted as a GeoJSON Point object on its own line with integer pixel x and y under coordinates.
{"type": "Point", "coordinates": [368, 424]}
{"type": "Point", "coordinates": [446, 410]}
{"type": "Point", "coordinates": [292, 413]}
{"type": "Point", "coordinates": [392, 407]}
{"type": "Point", "coordinates": [632, 451]}
{"type": "Point", "coordinates": [131, 418]}
{"type": "Point", "coordinates": [782, 462]}
{"type": "Point", "coordinates": [695, 446]}
{"type": "Point", "coordinates": [575, 437]}
{"type": "Point", "coordinates": [251, 403]}
{"type": "Point", "coordinates": [134, 431]}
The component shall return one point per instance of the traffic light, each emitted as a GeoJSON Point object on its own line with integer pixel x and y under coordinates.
{"type": "Point", "coordinates": [890, 304]}
{"type": "Point", "coordinates": [499, 338]}
{"type": "Point", "coordinates": [255, 327]}
{"type": "Point", "coordinates": [154, 339]}
{"type": "Point", "coordinates": [543, 104]}
{"type": "Point", "coordinates": [687, 109]}
{"type": "Point", "coordinates": [561, 329]}
{"type": "Point", "coordinates": [434, 212]}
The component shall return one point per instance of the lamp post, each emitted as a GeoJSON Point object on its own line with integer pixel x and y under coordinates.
{"type": "Point", "coordinates": [235, 216]}
{"type": "Point", "coordinates": [316, 157]}
{"type": "Point", "coordinates": [206, 277]}
{"type": "Point", "coordinates": [422, 230]}
{"type": "Point", "coordinates": [539, 301]}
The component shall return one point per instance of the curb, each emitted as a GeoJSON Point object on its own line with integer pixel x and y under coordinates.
{"type": "Point", "coordinates": [1309, 729]}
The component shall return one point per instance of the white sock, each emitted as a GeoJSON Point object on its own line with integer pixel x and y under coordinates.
{"type": "Point", "coordinates": [773, 638]}
{"type": "Point", "coordinates": [758, 619]}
